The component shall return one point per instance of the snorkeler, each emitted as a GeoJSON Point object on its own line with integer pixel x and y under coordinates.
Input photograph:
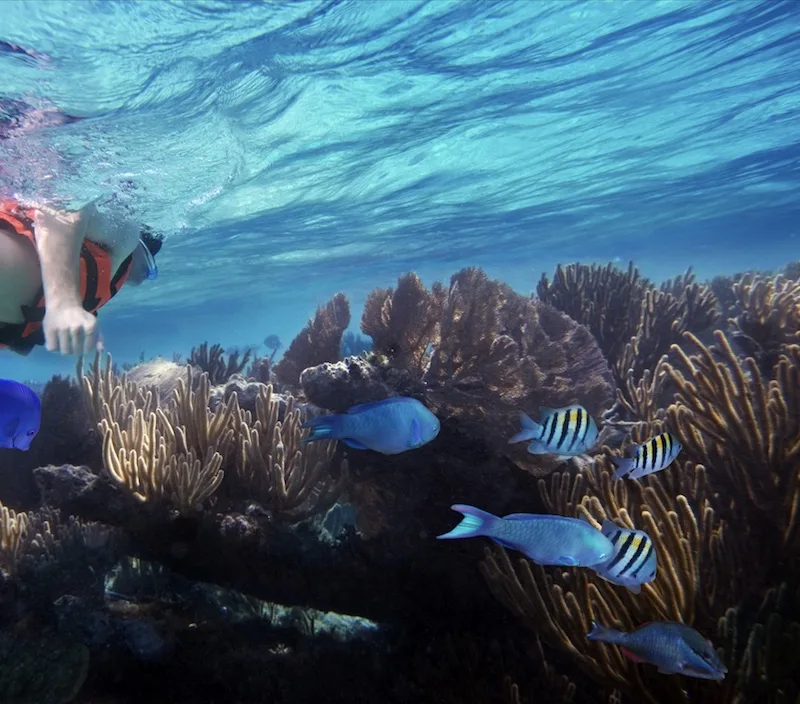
{"type": "Point", "coordinates": [76, 262]}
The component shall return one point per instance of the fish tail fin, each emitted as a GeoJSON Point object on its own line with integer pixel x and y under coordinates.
{"type": "Point", "coordinates": [474, 523]}
{"type": "Point", "coordinates": [602, 633]}
{"type": "Point", "coordinates": [624, 466]}
{"type": "Point", "coordinates": [322, 428]}
{"type": "Point", "coordinates": [531, 430]}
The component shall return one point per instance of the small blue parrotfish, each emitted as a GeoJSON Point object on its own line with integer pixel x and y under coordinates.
{"type": "Point", "coordinates": [566, 432]}
{"type": "Point", "coordinates": [391, 426]}
{"type": "Point", "coordinates": [545, 539]}
{"type": "Point", "coordinates": [20, 415]}
{"type": "Point", "coordinates": [634, 560]}
{"type": "Point", "coordinates": [672, 647]}
{"type": "Point", "coordinates": [650, 457]}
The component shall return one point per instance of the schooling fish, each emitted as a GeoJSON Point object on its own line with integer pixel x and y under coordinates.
{"type": "Point", "coordinates": [634, 560]}
{"type": "Point", "coordinates": [566, 432]}
{"type": "Point", "coordinates": [653, 456]}
{"type": "Point", "coordinates": [391, 426]}
{"type": "Point", "coordinates": [20, 415]}
{"type": "Point", "coordinates": [673, 647]}
{"type": "Point", "coordinates": [545, 539]}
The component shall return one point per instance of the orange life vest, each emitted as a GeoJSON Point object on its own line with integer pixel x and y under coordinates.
{"type": "Point", "coordinates": [99, 284]}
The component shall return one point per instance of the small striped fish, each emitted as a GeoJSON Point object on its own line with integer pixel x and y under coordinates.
{"type": "Point", "coordinates": [566, 432]}
{"type": "Point", "coordinates": [653, 456]}
{"type": "Point", "coordinates": [634, 560]}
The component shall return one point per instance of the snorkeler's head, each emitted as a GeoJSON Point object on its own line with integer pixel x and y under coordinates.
{"type": "Point", "coordinates": [143, 266]}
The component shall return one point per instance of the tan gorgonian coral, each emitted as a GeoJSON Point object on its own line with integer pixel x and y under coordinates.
{"type": "Point", "coordinates": [693, 566]}
{"type": "Point", "coordinates": [747, 428]}
{"type": "Point", "coordinates": [767, 319]}
{"type": "Point", "coordinates": [289, 478]}
{"type": "Point", "coordinates": [173, 454]}
{"type": "Point", "coordinates": [404, 322]}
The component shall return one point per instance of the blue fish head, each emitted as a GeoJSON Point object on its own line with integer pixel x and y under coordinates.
{"type": "Point", "coordinates": [26, 432]}
{"type": "Point", "coordinates": [425, 427]}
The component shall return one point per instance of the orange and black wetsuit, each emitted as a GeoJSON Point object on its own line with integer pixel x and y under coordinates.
{"type": "Point", "coordinates": [99, 284]}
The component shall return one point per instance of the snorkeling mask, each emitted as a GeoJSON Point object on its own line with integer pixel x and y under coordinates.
{"type": "Point", "coordinates": [152, 267]}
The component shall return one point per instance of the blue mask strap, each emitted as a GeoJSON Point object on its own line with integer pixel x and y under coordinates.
{"type": "Point", "coordinates": [150, 260]}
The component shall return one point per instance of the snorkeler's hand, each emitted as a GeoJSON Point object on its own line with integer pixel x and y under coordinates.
{"type": "Point", "coordinates": [70, 330]}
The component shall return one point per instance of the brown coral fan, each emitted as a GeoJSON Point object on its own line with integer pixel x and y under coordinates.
{"type": "Point", "coordinates": [605, 299]}
{"type": "Point", "coordinates": [404, 322]}
{"type": "Point", "coordinates": [212, 361]}
{"type": "Point", "coordinates": [500, 353]}
{"type": "Point", "coordinates": [319, 341]}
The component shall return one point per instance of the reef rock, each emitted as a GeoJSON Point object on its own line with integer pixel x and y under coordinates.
{"type": "Point", "coordinates": [339, 385]}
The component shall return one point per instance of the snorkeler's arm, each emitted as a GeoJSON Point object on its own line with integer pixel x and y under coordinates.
{"type": "Point", "coordinates": [68, 328]}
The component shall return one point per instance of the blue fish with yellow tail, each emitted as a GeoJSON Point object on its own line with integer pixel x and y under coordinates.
{"type": "Point", "coordinates": [672, 647]}
{"type": "Point", "coordinates": [390, 427]}
{"type": "Point", "coordinates": [650, 457]}
{"type": "Point", "coordinates": [566, 432]}
{"type": "Point", "coordinates": [634, 561]}
{"type": "Point", "coordinates": [545, 539]}
{"type": "Point", "coordinates": [20, 415]}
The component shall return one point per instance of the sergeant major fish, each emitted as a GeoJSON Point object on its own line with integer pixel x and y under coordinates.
{"type": "Point", "coordinates": [566, 432]}
{"type": "Point", "coordinates": [391, 426]}
{"type": "Point", "coordinates": [650, 457]}
{"type": "Point", "coordinates": [20, 415]}
{"type": "Point", "coordinates": [672, 647]}
{"type": "Point", "coordinates": [634, 561]}
{"type": "Point", "coordinates": [545, 539]}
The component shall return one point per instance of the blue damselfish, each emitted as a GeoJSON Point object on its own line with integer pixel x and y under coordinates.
{"type": "Point", "coordinates": [20, 415]}
{"type": "Point", "coordinates": [545, 539]}
{"type": "Point", "coordinates": [391, 426]}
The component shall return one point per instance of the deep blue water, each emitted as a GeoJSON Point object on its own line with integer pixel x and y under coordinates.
{"type": "Point", "coordinates": [292, 150]}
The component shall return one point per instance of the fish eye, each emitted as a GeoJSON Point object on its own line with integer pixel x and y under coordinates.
{"type": "Point", "coordinates": [31, 433]}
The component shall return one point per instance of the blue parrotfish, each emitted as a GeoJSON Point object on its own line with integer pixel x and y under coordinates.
{"type": "Point", "coordinates": [545, 539]}
{"type": "Point", "coordinates": [672, 647]}
{"type": "Point", "coordinates": [634, 561]}
{"type": "Point", "coordinates": [391, 426]}
{"type": "Point", "coordinates": [650, 457]}
{"type": "Point", "coordinates": [566, 432]}
{"type": "Point", "coordinates": [20, 415]}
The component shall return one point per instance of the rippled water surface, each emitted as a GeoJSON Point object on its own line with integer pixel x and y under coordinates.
{"type": "Point", "coordinates": [291, 150]}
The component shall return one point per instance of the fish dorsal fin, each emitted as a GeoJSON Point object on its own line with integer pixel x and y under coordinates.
{"type": "Point", "coordinates": [518, 516]}
{"type": "Point", "coordinates": [608, 527]}
{"type": "Point", "coordinates": [546, 411]}
{"type": "Point", "coordinates": [359, 408]}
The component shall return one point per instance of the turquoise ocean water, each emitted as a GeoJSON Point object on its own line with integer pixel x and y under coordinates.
{"type": "Point", "coordinates": [292, 150]}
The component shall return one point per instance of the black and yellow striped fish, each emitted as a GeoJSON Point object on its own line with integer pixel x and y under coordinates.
{"type": "Point", "coordinates": [566, 432]}
{"type": "Point", "coordinates": [634, 561]}
{"type": "Point", "coordinates": [653, 456]}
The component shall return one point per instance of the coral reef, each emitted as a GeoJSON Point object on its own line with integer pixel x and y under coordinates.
{"type": "Point", "coordinates": [318, 342]}
{"type": "Point", "coordinates": [193, 532]}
